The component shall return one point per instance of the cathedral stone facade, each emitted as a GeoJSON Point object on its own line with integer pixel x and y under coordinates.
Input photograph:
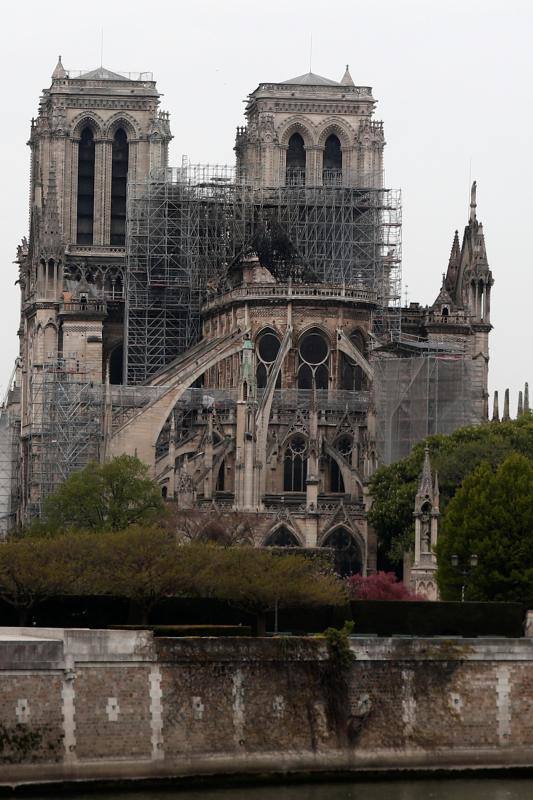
{"type": "Point", "coordinates": [270, 412]}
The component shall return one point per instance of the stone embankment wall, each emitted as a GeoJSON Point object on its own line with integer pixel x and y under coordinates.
{"type": "Point", "coordinates": [80, 704]}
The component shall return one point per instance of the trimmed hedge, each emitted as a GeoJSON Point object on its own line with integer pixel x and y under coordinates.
{"type": "Point", "coordinates": [424, 618]}
{"type": "Point", "coordinates": [371, 617]}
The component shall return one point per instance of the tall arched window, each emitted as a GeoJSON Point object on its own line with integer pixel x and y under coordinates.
{"type": "Point", "coordinates": [314, 357]}
{"type": "Point", "coordinates": [332, 175]}
{"type": "Point", "coordinates": [119, 179]}
{"type": "Point", "coordinates": [295, 465]}
{"type": "Point", "coordinates": [348, 559]}
{"type": "Point", "coordinates": [267, 348]}
{"type": "Point", "coordinates": [295, 174]}
{"type": "Point", "coordinates": [85, 220]}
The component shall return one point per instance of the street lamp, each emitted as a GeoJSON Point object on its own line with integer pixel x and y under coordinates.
{"type": "Point", "coordinates": [465, 573]}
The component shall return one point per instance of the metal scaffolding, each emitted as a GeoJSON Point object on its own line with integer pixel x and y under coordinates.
{"type": "Point", "coordinates": [421, 394]}
{"type": "Point", "coordinates": [9, 460]}
{"type": "Point", "coordinates": [188, 227]}
{"type": "Point", "coordinates": [66, 428]}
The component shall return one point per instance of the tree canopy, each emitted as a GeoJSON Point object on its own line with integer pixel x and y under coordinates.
{"type": "Point", "coordinates": [394, 487]}
{"type": "Point", "coordinates": [146, 565]}
{"type": "Point", "coordinates": [490, 516]}
{"type": "Point", "coordinates": [102, 497]}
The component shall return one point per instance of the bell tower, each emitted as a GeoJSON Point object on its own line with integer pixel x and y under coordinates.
{"type": "Point", "coordinates": [94, 133]}
{"type": "Point", "coordinates": [312, 131]}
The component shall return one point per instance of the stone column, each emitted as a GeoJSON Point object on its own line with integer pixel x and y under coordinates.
{"type": "Point", "coordinates": [102, 191]}
{"type": "Point", "coordinates": [282, 165]}
{"type": "Point", "coordinates": [71, 215]}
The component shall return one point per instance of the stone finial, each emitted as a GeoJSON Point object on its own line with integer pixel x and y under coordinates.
{"type": "Point", "coordinates": [473, 202]}
{"type": "Point", "coordinates": [526, 398]}
{"type": "Point", "coordinates": [347, 78]}
{"type": "Point", "coordinates": [426, 482]}
{"type": "Point", "coordinates": [520, 409]}
{"type": "Point", "coordinates": [495, 408]}
{"type": "Point", "coordinates": [506, 417]}
{"type": "Point", "coordinates": [60, 71]}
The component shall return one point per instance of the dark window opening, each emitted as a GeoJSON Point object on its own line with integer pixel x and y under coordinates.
{"type": "Point", "coordinates": [267, 350]}
{"type": "Point", "coordinates": [268, 347]}
{"type": "Point", "coordinates": [336, 483]}
{"type": "Point", "coordinates": [220, 478]}
{"type": "Point", "coordinates": [305, 377]}
{"type": "Point", "coordinates": [119, 179]}
{"type": "Point", "coordinates": [347, 554]}
{"type": "Point", "coordinates": [321, 377]}
{"type": "Point", "coordinates": [295, 465]}
{"type": "Point", "coordinates": [85, 217]}
{"type": "Point", "coordinates": [314, 349]}
{"type": "Point", "coordinates": [296, 158]}
{"type": "Point", "coordinates": [282, 537]}
{"type": "Point", "coordinates": [164, 492]}
{"type": "Point", "coordinates": [116, 366]}
{"type": "Point", "coordinates": [261, 376]}
{"type": "Point", "coordinates": [332, 174]}
{"type": "Point", "coordinates": [314, 354]}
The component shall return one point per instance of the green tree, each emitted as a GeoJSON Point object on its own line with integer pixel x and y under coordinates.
{"type": "Point", "coordinates": [491, 516]}
{"type": "Point", "coordinates": [258, 581]}
{"type": "Point", "coordinates": [145, 565]}
{"type": "Point", "coordinates": [32, 570]}
{"type": "Point", "coordinates": [102, 497]}
{"type": "Point", "coordinates": [393, 487]}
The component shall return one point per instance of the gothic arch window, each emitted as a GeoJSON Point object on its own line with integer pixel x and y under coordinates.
{"type": "Point", "coordinates": [295, 465]}
{"type": "Point", "coordinates": [348, 558]}
{"type": "Point", "coordinates": [85, 214]}
{"type": "Point", "coordinates": [119, 178]}
{"type": "Point", "coordinates": [352, 376]}
{"type": "Point", "coordinates": [296, 161]}
{"type": "Point", "coordinates": [332, 169]}
{"type": "Point", "coordinates": [266, 349]}
{"type": "Point", "coordinates": [281, 537]}
{"type": "Point", "coordinates": [313, 354]}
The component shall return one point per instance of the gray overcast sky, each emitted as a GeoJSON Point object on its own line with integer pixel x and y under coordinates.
{"type": "Point", "coordinates": [452, 80]}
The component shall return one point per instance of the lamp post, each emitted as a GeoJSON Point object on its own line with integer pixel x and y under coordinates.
{"type": "Point", "coordinates": [464, 572]}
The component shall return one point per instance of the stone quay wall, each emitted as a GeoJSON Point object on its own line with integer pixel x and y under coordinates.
{"type": "Point", "coordinates": [94, 704]}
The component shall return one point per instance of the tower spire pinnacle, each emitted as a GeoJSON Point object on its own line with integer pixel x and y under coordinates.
{"type": "Point", "coordinates": [473, 202]}
{"type": "Point", "coordinates": [60, 71]}
{"type": "Point", "coordinates": [347, 78]}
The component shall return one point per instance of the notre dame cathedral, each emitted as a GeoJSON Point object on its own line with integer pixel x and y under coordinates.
{"type": "Point", "coordinates": [238, 328]}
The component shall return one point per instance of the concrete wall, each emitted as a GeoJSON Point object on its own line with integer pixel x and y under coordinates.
{"type": "Point", "coordinates": [80, 704]}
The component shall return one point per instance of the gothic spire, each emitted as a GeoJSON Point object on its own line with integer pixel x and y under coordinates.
{"type": "Point", "coordinates": [347, 78]}
{"type": "Point", "coordinates": [526, 398]}
{"type": "Point", "coordinates": [520, 409]}
{"type": "Point", "coordinates": [495, 409]}
{"type": "Point", "coordinates": [506, 417]}
{"type": "Point", "coordinates": [426, 482]}
{"type": "Point", "coordinates": [60, 71]}
{"type": "Point", "coordinates": [473, 202]}
{"type": "Point", "coordinates": [454, 264]}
